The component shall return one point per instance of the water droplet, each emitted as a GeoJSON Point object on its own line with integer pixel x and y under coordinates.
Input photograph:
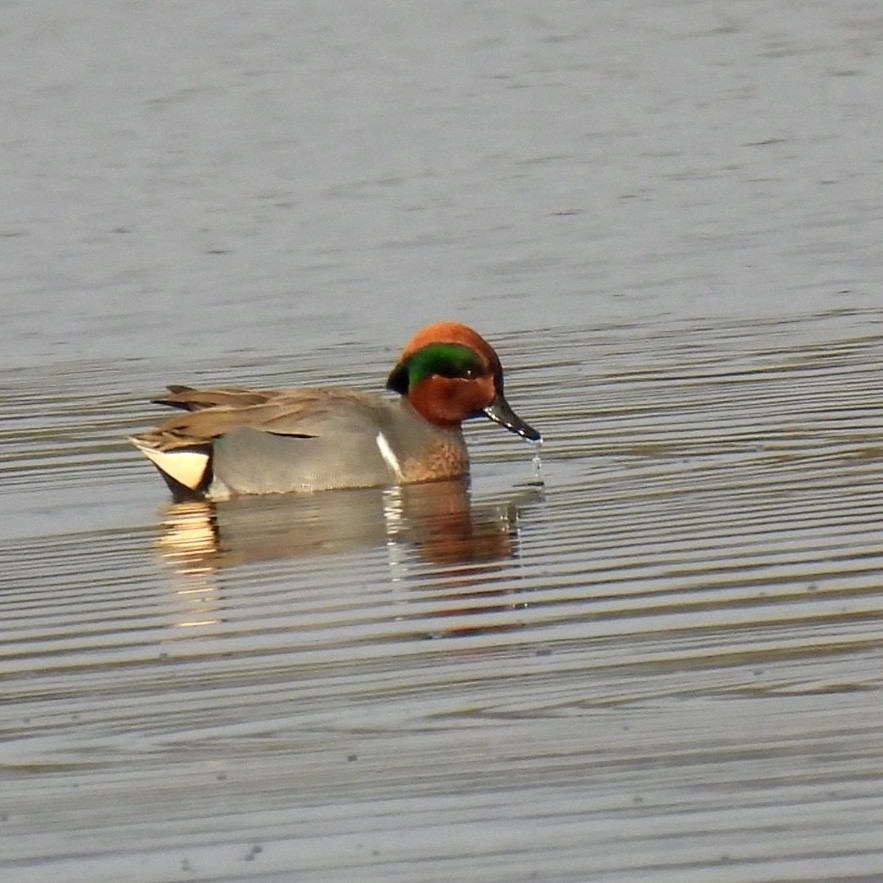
{"type": "Point", "coordinates": [537, 462]}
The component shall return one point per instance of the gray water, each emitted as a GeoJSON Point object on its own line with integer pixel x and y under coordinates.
{"type": "Point", "coordinates": [663, 662]}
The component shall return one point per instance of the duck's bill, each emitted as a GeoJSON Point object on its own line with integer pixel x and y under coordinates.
{"type": "Point", "coordinates": [500, 412]}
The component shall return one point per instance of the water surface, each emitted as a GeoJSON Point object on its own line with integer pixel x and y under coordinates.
{"type": "Point", "coordinates": [663, 664]}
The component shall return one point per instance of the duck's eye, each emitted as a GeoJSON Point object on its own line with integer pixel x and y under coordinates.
{"type": "Point", "coordinates": [456, 372]}
{"type": "Point", "coordinates": [469, 373]}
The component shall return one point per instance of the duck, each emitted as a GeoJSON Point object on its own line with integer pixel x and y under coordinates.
{"type": "Point", "coordinates": [231, 442]}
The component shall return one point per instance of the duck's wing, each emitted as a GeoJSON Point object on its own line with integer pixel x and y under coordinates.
{"type": "Point", "coordinates": [296, 412]}
{"type": "Point", "coordinates": [189, 399]}
{"type": "Point", "coordinates": [261, 441]}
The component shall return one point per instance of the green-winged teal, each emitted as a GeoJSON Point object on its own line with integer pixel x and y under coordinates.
{"type": "Point", "coordinates": [238, 441]}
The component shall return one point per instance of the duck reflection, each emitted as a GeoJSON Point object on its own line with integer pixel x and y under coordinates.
{"type": "Point", "coordinates": [437, 522]}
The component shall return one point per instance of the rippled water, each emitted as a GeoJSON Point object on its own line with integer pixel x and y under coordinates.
{"type": "Point", "coordinates": [663, 662]}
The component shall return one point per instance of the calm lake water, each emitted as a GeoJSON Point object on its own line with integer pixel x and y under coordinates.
{"type": "Point", "coordinates": [662, 661]}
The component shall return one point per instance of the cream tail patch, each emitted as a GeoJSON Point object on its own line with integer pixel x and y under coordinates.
{"type": "Point", "coordinates": [185, 467]}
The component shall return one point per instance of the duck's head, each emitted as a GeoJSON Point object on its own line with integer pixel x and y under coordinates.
{"type": "Point", "coordinates": [450, 373]}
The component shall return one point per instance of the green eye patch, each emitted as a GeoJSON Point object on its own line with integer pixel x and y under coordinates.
{"type": "Point", "coordinates": [438, 359]}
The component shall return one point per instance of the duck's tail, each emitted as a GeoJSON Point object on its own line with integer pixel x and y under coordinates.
{"type": "Point", "coordinates": [186, 470]}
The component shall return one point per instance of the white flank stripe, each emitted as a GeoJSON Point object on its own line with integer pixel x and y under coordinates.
{"type": "Point", "coordinates": [389, 457]}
